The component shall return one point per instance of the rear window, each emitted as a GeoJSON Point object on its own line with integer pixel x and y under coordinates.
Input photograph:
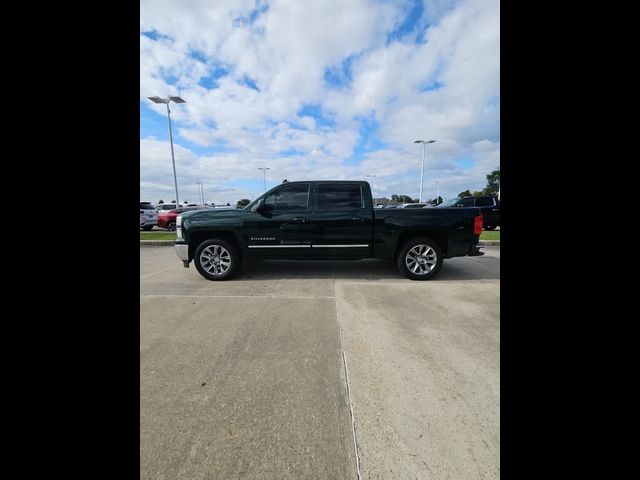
{"type": "Point", "coordinates": [339, 196]}
{"type": "Point", "coordinates": [466, 202]}
{"type": "Point", "coordinates": [484, 202]}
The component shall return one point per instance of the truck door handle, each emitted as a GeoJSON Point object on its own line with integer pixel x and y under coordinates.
{"type": "Point", "coordinates": [494, 209]}
{"type": "Point", "coordinates": [298, 220]}
{"type": "Point", "coordinates": [359, 219]}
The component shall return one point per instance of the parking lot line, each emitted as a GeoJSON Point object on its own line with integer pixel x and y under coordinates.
{"type": "Point", "coordinates": [228, 296]}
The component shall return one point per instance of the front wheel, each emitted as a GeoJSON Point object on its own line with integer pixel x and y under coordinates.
{"type": "Point", "coordinates": [146, 228]}
{"type": "Point", "coordinates": [420, 259]}
{"type": "Point", "coordinates": [217, 259]}
{"type": "Point", "coordinates": [172, 226]}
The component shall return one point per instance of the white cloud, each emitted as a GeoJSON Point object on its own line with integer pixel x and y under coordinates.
{"type": "Point", "coordinates": [286, 51]}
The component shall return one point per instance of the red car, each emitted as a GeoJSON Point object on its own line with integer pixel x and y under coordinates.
{"type": "Point", "coordinates": [167, 218]}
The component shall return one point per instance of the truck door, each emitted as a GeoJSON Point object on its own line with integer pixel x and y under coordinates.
{"type": "Point", "coordinates": [343, 217]}
{"type": "Point", "coordinates": [282, 229]}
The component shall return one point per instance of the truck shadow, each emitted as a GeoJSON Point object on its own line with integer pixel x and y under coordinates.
{"type": "Point", "coordinates": [456, 269]}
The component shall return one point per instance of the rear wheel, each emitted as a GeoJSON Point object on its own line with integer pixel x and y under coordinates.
{"type": "Point", "coordinates": [172, 226]}
{"type": "Point", "coordinates": [217, 259]}
{"type": "Point", "coordinates": [420, 259]}
{"type": "Point", "coordinates": [146, 228]}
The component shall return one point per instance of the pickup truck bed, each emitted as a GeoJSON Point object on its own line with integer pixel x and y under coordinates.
{"type": "Point", "coordinates": [326, 220]}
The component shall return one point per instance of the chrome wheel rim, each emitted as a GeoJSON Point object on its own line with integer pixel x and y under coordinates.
{"type": "Point", "coordinates": [215, 259]}
{"type": "Point", "coordinates": [421, 259]}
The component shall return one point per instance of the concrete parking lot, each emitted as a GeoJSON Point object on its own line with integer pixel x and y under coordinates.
{"type": "Point", "coordinates": [246, 378]}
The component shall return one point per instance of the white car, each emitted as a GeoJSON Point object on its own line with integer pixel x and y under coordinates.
{"type": "Point", "coordinates": [148, 216]}
{"type": "Point", "coordinates": [165, 206]}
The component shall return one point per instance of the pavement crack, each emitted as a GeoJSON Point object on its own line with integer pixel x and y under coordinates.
{"type": "Point", "coordinates": [348, 388]}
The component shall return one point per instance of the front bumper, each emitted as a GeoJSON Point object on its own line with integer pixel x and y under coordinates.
{"type": "Point", "coordinates": [182, 250]}
{"type": "Point", "coordinates": [474, 250]}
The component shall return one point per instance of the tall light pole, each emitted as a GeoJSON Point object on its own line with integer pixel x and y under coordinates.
{"type": "Point", "coordinates": [424, 148]}
{"type": "Point", "coordinates": [372, 176]}
{"type": "Point", "coordinates": [201, 192]}
{"type": "Point", "coordinates": [167, 100]}
{"type": "Point", "coordinates": [264, 177]}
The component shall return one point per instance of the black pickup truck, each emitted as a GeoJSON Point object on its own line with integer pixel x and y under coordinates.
{"type": "Point", "coordinates": [326, 220]}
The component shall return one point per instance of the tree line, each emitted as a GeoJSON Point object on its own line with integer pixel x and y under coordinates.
{"type": "Point", "coordinates": [492, 189]}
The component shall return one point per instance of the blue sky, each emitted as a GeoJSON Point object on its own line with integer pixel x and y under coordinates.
{"type": "Point", "coordinates": [319, 89]}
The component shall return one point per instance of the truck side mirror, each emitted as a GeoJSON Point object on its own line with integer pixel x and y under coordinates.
{"type": "Point", "coordinates": [259, 206]}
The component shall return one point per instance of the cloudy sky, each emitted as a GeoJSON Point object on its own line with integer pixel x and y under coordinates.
{"type": "Point", "coordinates": [318, 89]}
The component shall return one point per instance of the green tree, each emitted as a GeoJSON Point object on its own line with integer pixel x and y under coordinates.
{"type": "Point", "coordinates": [160, 202]}
{"type": "Point", "coordinates": [394, 198]}
{"type": "Point", "coordinates": [243, 202]}
{"type": "Point", "coordinates": [493, 183]}
{"type": "Point", "coordinates": [478, 193]}
{"type": "Point", "coordinates": [466, 193]}
{"type": "Point", "coordinates": [173, 201]}
{"type": "Point", "coordinates": [405, 199]}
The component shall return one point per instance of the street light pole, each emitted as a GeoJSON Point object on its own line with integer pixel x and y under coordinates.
{"type": "Point", "coordinates": [201, 192]}
{"type": "Point", "coordinates": [424, 148]}
{"type": "Point", "coordinates": [166, 101]}
{"type": "Point", "coordinates": [372, 176]}
{"type": "Point", "coordinates": [264, 177]}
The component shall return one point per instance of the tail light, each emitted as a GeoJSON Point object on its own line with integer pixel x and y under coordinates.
{"type": "Point", "coordinates": [477, 224]}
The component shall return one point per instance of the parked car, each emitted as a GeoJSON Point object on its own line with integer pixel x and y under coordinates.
{"type": "Point", "coordinates": [165, 206]}
{"type": "Point", "coordinates": [326, 220]}
{"type": "Point", "coordinates": [148, 216]}
{"type": "Point", "coordinates": [411, 205]}
{"type": "Point", "coordinates": [489, 207]}
{"type": "Point", "coordinates": [167, 218]}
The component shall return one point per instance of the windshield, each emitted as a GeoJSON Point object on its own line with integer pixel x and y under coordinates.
{"type": "Point", "coordinates": [449, 203]}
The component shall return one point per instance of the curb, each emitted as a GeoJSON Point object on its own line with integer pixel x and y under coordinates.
{"type": "Point", "coordinates": [156, 243]}
{"type": "Point", "coordinates": [491, 243]}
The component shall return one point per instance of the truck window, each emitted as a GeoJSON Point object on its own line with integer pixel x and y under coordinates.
{"type": "Point", "coordinates": [466, 202]}
{"type": "Point", "coordinates": [484, 202]}
{"type": "Point", "coordinates": [339, 196]}
{"type": "Point", "coordinates": [289, 197]}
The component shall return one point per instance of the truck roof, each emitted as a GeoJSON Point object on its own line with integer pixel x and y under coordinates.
{"type": "Point", "coordinates": [328, 181]}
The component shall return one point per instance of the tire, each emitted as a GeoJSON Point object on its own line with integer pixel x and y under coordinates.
{"type": "Point", "coordinates": [489, 227]}
{"type": "Point", "coordinates": [220, 250]}
{"type": "Point", "coordinates": [427, 256]}
{"type": "Point", "coordinates": [146, 228]}
{"type": "Point", "coordinates": [172, 226]}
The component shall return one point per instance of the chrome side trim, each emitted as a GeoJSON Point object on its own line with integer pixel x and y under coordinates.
{"type": "Point", "coordinates": [309, 246]}
{"type": "Point", "coordinates": [339, 246]}
{"type": "Point", "coordinates": [279, 246]}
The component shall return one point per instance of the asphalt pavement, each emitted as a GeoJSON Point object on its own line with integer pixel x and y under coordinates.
{"type": "Point", "coordinates": [246, 378]}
